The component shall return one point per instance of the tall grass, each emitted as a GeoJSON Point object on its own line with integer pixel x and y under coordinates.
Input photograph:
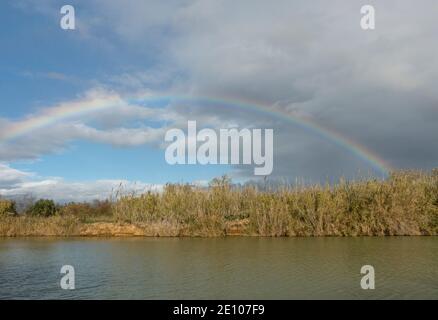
{"type": "Point", "coordinates": [39, 226]}
{"type": "Point", "coordinates": [404, 204]}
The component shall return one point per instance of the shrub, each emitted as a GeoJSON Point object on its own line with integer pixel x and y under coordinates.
{"type": "Point", "coordinates": [87, 210]}
{"type": "Point", "coordinates": [7, 207]}
{"type": "Point", "coordinates": [43, 208]}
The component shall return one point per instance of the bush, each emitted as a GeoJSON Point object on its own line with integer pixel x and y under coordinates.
{"type": "Point", "coordinates": [87, 210]}
{"type": "Point", "coordinates": [7, 207]}
{"type": "Point", "coordinates": [43, 208]}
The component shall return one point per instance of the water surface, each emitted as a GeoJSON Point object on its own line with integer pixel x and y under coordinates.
{"type": "Point", "coordinates": [219, 268]}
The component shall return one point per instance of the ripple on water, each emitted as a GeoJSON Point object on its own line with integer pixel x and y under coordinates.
{"type": "Point", "coordinates": [224, 268]}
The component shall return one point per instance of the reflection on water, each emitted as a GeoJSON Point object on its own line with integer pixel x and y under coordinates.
{"type": "Point", "coordinates": [222, 268]}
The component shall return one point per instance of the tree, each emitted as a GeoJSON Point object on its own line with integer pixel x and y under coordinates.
{"type": "Point", "coordinates": [43, 208]}
{"type": "Point", "coordinates": [7, 207]}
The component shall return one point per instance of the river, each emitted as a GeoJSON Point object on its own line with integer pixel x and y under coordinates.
{"type": "Point", "coordinates": [219, 268]}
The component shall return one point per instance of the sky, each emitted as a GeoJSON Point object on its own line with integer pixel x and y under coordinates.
{"type": "Point", "coordinates": [84, 111]}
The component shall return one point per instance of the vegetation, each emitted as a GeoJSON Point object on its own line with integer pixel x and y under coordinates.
{"type": "Point", "coordinates": [39, 226]}
{"type": "Point", "coordinates": [98, 210]}
{"type": "Point", "coordinates": [404, 204]}
{"type": "Point", "coordinates": [7, 207]}
{"type": "Point", "coordinates": [42, 208]}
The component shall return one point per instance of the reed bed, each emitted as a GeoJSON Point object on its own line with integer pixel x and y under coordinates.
{"type": "Point", "coordinates": [406, 203]}
{"type": "Point", "coordinates": [26, 226]}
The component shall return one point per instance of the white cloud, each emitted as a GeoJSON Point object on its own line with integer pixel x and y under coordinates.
{"type": "Point", "coordinates": [10, 176]}
{"type": "Point", "coordinates": [122, 137]}
{"type": "Point", "coordinates": [118, 122]}
{"type": "Point", "coordinates": [16, 183]}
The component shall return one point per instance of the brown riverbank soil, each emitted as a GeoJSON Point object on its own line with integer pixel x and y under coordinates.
{"type": "Point", "coordinates": [66, 226]}
{"type": "Point", "coordinates": [103, 229]}
{"type": "Point", "coordinates": [112, 229]}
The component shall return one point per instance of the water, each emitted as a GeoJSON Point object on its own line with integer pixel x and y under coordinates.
{"type": "Point", "coordinates": [222, 268]}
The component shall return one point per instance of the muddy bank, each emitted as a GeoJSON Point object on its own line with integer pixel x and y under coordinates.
{"type": "Point", "coordinates": [72, 227]}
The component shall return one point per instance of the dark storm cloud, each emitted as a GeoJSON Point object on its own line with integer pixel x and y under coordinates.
{"type": "Point", "coordinates": [306, 57]}
{"type": "Point", "coordinates": [375, 87]}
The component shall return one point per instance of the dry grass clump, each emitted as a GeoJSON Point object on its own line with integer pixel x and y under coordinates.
{"type": "Point", "coordinates": [39, 226]}
{"type": "Point", "coordinates": [88, 212]}
{"type": "Point", "coordinates": [44, 218]}
{"type": "Point", "coordinates": [185, 209]}
{"type": "Point", "coordinates": [404, 204]}
{"type": "Point", "coordinates": [180, 208]}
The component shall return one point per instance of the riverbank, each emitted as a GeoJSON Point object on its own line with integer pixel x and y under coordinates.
{"type": "Point", "coordinates": [71, 227]}
{"type": "Point", "coordinates": [21, 227]}
{"type": "Point", "coordinates": [405, 204]}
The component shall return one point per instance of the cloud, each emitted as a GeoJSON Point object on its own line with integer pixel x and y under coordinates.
{"type": "Point", "coordinates": [15, 183]}
{"type": "Point", "coordinates": [51, 75]}
{"type": "Point", "coordinates": [123, 137]}
{"type": "Point", "coordinates": [376, 88]}
{"type": "Point", "coordinates": [114, 121]}
{"type": "Point", "coordinates": [10, 177]}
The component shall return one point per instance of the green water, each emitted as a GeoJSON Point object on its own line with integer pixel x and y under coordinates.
{"type": "Point", "coordinates": [222, 268]}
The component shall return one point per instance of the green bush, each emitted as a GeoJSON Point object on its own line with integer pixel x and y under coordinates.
{"type": "Point", "coordinates": [7, 207]}
{"type": "Point", "coordinates": [86, 210]}
{"type": "Point", "coordinates": [43, 208]}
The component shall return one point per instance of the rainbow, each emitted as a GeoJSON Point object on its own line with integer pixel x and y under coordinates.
{"type": "Point", "coordinates": [360, 151]}
{"type": "Point", "coordinates": [59, 113]}
{"type": "Point", "coordinates": [93, 104]}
